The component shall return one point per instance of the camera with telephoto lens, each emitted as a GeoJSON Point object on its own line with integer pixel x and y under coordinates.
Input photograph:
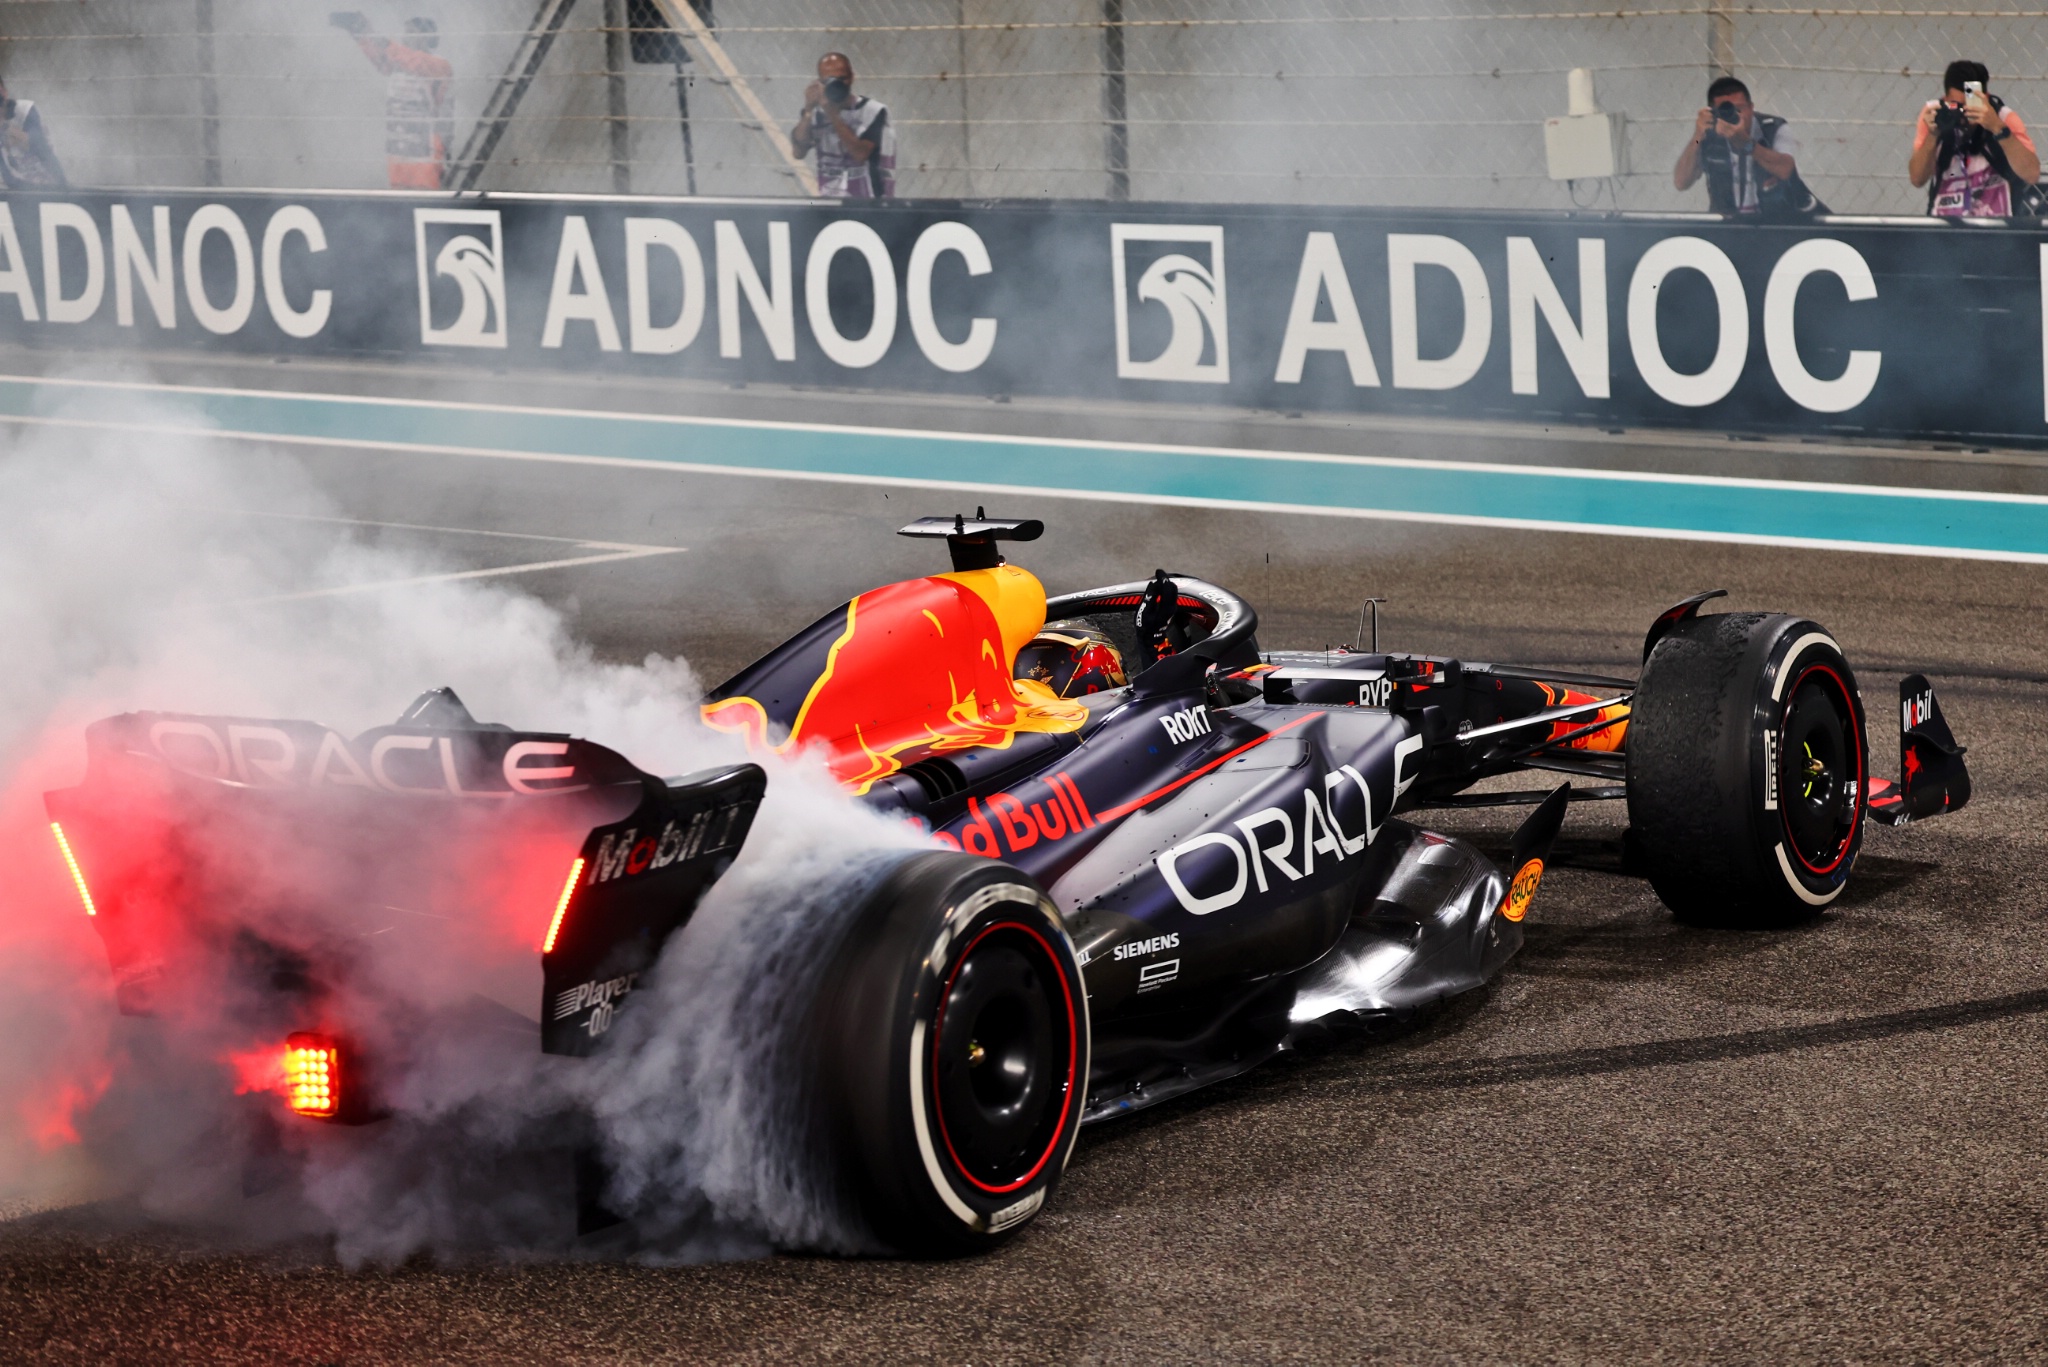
{"type": "Point", "coordinates": [1950, 117]}
{"type": "Point", "coordinates": [1728, 112]}
{"type": "Point", "coordinates": [837, 89]}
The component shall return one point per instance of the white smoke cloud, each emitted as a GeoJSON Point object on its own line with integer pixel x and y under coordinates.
{"type": "Point", "coordinates": [132, 578]}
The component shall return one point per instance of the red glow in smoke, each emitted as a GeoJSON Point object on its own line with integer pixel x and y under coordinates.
{"type": "Point", "coordinates": [55, 1002]}
{"type": "Point", "coordinates": [258, 1070]}
{"type": "Point", "coordinates": [510, 873]}
{"type": "Point", "coordinates": [430, 904]}
{"type": "Point", "coordinates": [52, 1115]}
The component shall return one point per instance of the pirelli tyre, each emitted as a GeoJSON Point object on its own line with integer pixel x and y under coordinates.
{"type": "Point", "coordinates": [1748, 769]}
{"type": "Point", "coordinates": [956, 1054]}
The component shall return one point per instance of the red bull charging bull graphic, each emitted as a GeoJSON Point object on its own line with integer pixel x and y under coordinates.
{"type": "Point", "coordinates": [917, 668]}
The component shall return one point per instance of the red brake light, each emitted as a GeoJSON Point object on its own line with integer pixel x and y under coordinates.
{"type": "Point", "coordinates": [71, 862]}
{"type": "Point", "coordinates": [547, 946]}
{"type": "Point", "coordinates": [312, 1075]}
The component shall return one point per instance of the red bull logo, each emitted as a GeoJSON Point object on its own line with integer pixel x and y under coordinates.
{"type": "Point", "coordinates": [1007, 819]}
{"type": "Point", "coordinates": [920, 668]}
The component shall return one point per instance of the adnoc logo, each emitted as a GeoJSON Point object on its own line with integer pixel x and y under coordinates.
{"type": "Point", "coordinates": [467, 248]}
{"type": "Point", "coordinates": [1179, 273]}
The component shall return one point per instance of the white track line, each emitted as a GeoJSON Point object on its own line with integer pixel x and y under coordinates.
{"type": "Point", "coordinates": [450, 531]}
{"type": "Point", "coordinates": [636, 553]}
{"type": "Point", "coordinates": [928, 435]}
{"type": "Point", "coordinates": [609, 551]}
{"type": "Point", "coordinates": [1104, 496]}
{"type": "Point", "coordinates": [1520, 524]}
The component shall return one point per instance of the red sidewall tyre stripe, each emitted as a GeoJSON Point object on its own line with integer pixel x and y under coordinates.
{"type": "Point", "coordinates": [1862, 779]}
{"type": "Point", "coordinates": [1073, 1057]}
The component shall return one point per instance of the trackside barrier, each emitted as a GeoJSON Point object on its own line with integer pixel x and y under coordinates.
{"type": "Point", "coordinates": [1846, 327]}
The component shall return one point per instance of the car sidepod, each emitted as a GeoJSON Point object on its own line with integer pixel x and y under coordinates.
{"type": "Point", "coordinates": [1246, 863]}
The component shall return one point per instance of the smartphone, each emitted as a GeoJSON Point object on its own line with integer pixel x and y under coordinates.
{"type": "Point", "coordinates": [1972, 88]}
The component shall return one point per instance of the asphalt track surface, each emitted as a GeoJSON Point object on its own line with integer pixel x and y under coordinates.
{"type": "Point", "coordinates": [1644, 1142]}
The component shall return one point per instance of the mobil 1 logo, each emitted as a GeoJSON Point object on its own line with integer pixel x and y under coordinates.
{"type": "Point", "coordinates": [460, 254]}
{"type": "Point", "coordinates": [1172, 312]}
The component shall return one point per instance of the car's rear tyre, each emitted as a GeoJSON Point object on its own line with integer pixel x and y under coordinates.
{"type": "Point", "coordinates": [1748, 769]}
{"type": "Point", "coordinates": [955, 1045]}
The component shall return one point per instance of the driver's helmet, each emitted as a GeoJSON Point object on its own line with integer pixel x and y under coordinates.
{"type": "Point", "coordinates": [1073, 659]}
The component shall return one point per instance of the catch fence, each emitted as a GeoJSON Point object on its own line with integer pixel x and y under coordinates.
{"type": "Point", "coordinates": [1255, 101]}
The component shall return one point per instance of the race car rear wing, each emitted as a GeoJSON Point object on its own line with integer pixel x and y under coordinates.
{"type": "Point", "coordinates": [630, 888]}
{"type": "Point", "coordinates": [310, 849]}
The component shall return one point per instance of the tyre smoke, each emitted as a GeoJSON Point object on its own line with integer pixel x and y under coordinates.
{"type": "Point", "coordinates": [138, 575]}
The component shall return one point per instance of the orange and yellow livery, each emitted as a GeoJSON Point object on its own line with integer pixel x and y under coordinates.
{"type": "Point", "coordinates": [916, 668]}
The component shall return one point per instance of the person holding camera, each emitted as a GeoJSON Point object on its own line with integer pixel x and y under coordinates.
{"type": "Point", "coordinates": [1749, 159]}
{"type": "Point", "coordinates": [27, 161]}
{"type": "Point", "coordinates": [1972, 152]}
{"type": "Point", "coordinates": [852, 135]}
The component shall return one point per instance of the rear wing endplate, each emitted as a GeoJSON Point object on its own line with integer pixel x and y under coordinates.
{"type": "Point", "coordinates": [634, 884]}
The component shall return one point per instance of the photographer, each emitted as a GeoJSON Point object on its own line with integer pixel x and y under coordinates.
{"type": "Point", "coordinates": [27, 161]}
{"type": "Point", "coordinates": [1972, 151]}
{"type": "Point", "coordinates": [1748, 159]}
{"type": "Point", "coordinates": [852, 135]}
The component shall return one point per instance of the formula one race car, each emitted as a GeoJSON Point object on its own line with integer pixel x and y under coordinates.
{"type": "Point", "coordinates": [1155, 854]}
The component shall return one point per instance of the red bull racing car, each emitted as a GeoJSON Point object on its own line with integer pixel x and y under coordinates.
{"type": "Point", "coordinates": [1155, 853]}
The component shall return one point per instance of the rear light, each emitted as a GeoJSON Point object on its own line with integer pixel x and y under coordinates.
{"type": "Point", "coordinates": [547, 946]}
{"type": "Point", "coordinates": [71, 862]}
{"type": "Point", "coordinates": [312, 1075]}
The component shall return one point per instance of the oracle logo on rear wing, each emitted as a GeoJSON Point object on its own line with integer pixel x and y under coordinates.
{"type": "Point", "coordinates": [392, 760]}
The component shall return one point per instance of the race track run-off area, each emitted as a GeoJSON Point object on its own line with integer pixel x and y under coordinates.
{"type": "Point", "coordinates": [1909, 521]}
{"type": "Point", "coordinates": [1643, 1142]}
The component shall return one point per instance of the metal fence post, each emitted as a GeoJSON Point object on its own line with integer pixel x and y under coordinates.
{"type": "Point", "coordinates": [966, 114]}
{"type": "Point", "coordinates": [1116, 130]}
{"type": "Point", "coordinates": [209, 95]}
{"type": "Point", "coordinates": [615, 96]}
{"type": "Point", "coordinates": [1721, 38]}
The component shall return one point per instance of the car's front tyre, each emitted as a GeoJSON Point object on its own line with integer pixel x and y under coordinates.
{"type": "Point", "coordinates": [1748, 769]}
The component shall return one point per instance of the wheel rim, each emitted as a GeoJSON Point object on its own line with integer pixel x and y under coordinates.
{"type": "Point", "coordinates": [1820, 770]}
{"type": "Point", "coordinates": [1003, 1058]}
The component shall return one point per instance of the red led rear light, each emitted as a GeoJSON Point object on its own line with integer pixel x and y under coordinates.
{"type": "Point", "coordinates": [547, 946]}
{"type": "Point", "coordinates": [312, 1075]}
{"type": "Point", "coordinates": [71, 862]}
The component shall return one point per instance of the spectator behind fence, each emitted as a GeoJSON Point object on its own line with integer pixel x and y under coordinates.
{"type": "Point", "coordinates": [855, 142]}
{"type": "Point", "coordinates": [1972, 152]}
{"type": "Point", "coordinates": [419, 116]}
{"type": "Point", "coordinates": [1749, 159]}
{"type": "Point", "coordinates": [27, 161]}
